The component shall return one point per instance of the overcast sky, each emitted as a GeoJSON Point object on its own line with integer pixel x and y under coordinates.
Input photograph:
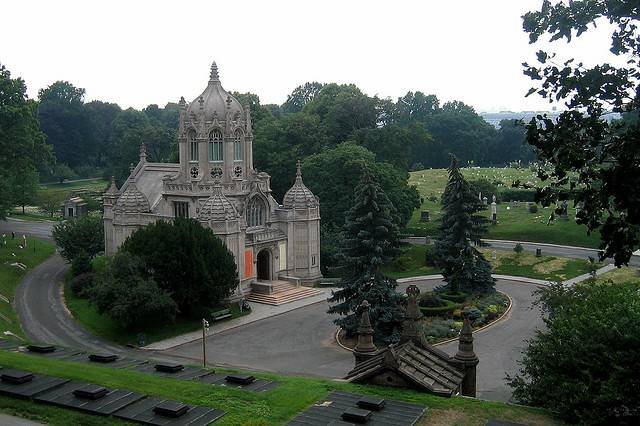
{"type": "Point", "coordinates": [136, 53]}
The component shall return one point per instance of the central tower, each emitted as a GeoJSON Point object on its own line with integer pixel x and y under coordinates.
{"type": "Point", "coordinates": [214, 136]}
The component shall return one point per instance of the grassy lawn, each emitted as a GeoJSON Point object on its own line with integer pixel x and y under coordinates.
{"type": "Point", "coordinates": [514, 223]}
{"type": "Point", "coordinates": [411, 263]}
{"type": "Point", "coordinates": [621, 275]}
{"type": "Point", "coordinates": [10, 276]}
{"type": "Point", "coordinates": [89, 185]}
{"type": "Point", "coordinates": [33, 216]}
{"type": "Point", "coordinates": [276, 407]}
{"type": "Point", "coordinates": [86, 314]}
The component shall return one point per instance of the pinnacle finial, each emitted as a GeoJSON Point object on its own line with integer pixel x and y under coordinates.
{"type": "Point", "coordinates": [298, 170]}
{"type": "Point", "coordinates": [214, 72]}
{"type": "Point", "coordinates": [143, 152]}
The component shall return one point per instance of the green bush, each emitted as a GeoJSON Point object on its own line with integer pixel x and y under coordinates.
{"type": "Point", "coordinates": [518, 248]}
{"type": "Point", "coordinates": [446, 309]}
{"type": "Point", "coordinates": [513, 194]}
{"type": "Point", "coordinates": [133, 300]}
{"type": "Point", "coordinates": [429, 256]}
{"type": "Point", "coordinates": [484, 186]}
{"type": "Point", "coordinates": [472, 312]}
{"type": "Point", "coordinates": [454, 296]}
{"type": "Point", "coordinates": [439, 329]}
{"type": "Point", "coordinates": [584, 363]}
{"type": "Point", "coordinates": [76, 235]}
{"type": "Point", "coordinates": [533, 208]}
{"type": "Point", "coordinates": [81, 284]}
{"type": "Point", "coordinates": [431, 300]}
{"type": "Point", "coordinates": [81, 264]}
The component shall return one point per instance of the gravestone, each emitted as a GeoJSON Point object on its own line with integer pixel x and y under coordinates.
{"type": "Point", "coordinates": [424, 216]}
{"type": "Point", "coordinates": [564, 215]}
{"type": "Point", "coordinates": [538, 252]}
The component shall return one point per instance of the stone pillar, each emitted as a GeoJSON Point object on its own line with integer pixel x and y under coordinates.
{"type": "Point", "coordinates": [411, 326]}
{"type": "Point", "coordinates": [466, 359]}
{"type": "Point", "coordinates": [494, 212]}
{"type": "Point", "coordinates": [365, 348]}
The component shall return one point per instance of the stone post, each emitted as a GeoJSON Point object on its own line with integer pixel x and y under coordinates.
{"type": "Point", "coordinates": [411, 326]}
{"type": "Point", "coordinates": [494, 212]}
{"type": "Point", "coordinates": [466, 359]}
{"type": "Point", "coordinates": [365, 348]}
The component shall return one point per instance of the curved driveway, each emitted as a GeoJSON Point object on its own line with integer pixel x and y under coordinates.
{"type": "Point", "coordinates": [302, 342]}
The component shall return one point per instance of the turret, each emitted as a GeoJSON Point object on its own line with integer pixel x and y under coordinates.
{"type": "Point", "coordinates": [466, 359]}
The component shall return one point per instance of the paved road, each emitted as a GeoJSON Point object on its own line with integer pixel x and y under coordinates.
{"type": "Point", "coordinates": [302, 342]}
{"type": "Point", "coordinates": [42, 312]}
{"type": "Point", "coordinates": [41, 230]}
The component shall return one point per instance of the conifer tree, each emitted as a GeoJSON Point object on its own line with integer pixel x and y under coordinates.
{"type": "Point", "coordinates": [370, 240]}
{"type": "Point", "coordinates": [464, 268]}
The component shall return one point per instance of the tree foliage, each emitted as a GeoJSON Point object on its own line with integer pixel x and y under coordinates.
{"type": "Point", "coordinates": [186, 260]}
{"type": "Point", "coordinates": [126, 293]}
{"type": "Point", "coordinates": [22, 143]}
{"type": "Point", "coordinates": [597, 160]}
{"type": "Point", "coordinates": [370, 240]}
{"type": "Point", "coordinates": [464, 268]}
{"type": "Point", "coordinates": [583, 364]}
{"type": "Point", "coordinates": [84, 235]}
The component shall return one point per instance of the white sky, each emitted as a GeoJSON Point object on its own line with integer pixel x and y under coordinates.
{"type": "Point", "coordinates": [136, 53]}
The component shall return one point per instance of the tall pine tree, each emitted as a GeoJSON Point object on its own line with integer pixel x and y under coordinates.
{"type": "Point", "coordinates": [464, 268]}
{"type": "Point", "coordinates": [370, 239]}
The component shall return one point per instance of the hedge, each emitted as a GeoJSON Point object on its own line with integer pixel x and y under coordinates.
{"type": "Point", "coordinates": [449, 307]}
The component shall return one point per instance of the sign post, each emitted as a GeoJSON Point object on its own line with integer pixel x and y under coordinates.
{"type": "Point", "coordinates": [205, 327]}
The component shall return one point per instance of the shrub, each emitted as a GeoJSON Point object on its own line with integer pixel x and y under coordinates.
{"type": "Point", "coordinates": [439, 329]}
{"type": "Point", "coordinates": [187, 261]}
{"type": "Point", "coordinates": [533, 208]}
{"type": "Point", "coordinates": [81, 264]}
{"type": "Point", "coordinates": [518, 248]}
{"type": "Point", "coordinates": [583, 365]}
{"type": "Point", "coordinates": [491, 311]}
{"type": "Point", "coordinates": [484, 186]}
{"type": "Point", "coordinates": [429, 257]}
{"type": "Point", "coordinates": [472, 312]}
{"type": "Point", "coordinates": [80, 285]}
{"type": "Point", "coordinates": [431, 300]}
{"type": "Point", "coordinates": [454, 296]}
{"type": "Point", "coordinates": [76, 235]}
{"type": "Point", "coordinates": [130, 298]}
{"type": "Point", "coordinates": [445, 310]}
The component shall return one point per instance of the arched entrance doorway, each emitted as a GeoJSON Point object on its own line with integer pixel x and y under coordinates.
{"type": "Point", "coordinates": [264, 265]}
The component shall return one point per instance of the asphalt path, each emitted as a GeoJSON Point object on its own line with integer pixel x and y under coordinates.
{"type": "Point", "coordinates": [302, 342]}
{"type": "Point", "coordinates": [40, 230]}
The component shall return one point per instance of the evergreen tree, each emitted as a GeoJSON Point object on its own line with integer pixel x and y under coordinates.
{"type": "Point", "coordinates": [464, 268]}
{"type": "Point", "coordinates": [370, 239]}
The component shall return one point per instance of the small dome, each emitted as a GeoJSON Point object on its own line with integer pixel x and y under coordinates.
{"type": "Point", "coordinates": [132, 200]}
{"type": "Point", "coordinates": [299, 196]}
{"type": "Point", "coordinates": [215, 101]}
{"type": "Point", "coordinates": [217, 207]}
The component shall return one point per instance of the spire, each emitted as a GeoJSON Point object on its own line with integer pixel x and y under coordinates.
{"type": "Point", "coordinates": [113, 189]}
{"type": "Point", "coordinates": [365, 347]}
{"type": "Point", "coordinates": [298, 171]}
{"type": "Point", "coordinates": [182, 103]}
{"type": "Point", "coordinates": [411, 327]}
{"type": "Point", "coordinates": [214, 72]}
{"type": "Point", "coordinates": [143, 152]}
{"type": "Point", "coordinates": [465, 343]}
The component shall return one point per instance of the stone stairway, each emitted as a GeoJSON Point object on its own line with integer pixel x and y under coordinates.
{"type": "Point", "coordinates": [283, 292]}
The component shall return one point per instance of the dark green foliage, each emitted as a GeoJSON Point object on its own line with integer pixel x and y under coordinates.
{"type": "Point", "coordinates": [583, 365]}
{"type": "Point", "coordinates": [430, 299]}
{"type": "Point", "coordinates": [187, 261]}
{"type": "Point", "coordinates": [484, 187]}
{"type": "Point", "coordinates": [464, 268]}
{"type": "Point", "coordinates": [333, 174]}
{"type": "Point", "coordinates": [445, 309]}
{"type": "Point", "coordinates": [533, 208]}
{"type": "Point", "coordinates": [22, 144]}
{"type": "Point", "coordinates": [601, 159]}
{"type": "Point", "coordinates": [454, 296]}
{"type": "Point", "coordinates": [75, 236]}
{"type": "Point", "coordinates": [370, 239]}
{"type": "Point", "coordinates": [80, 284]}
{"type": "Point", "coordinates": [518, 249]}
{"type": "Point", "coordinates": [81, 264]}
{"type": "Point", "coordinates": [126, 292]}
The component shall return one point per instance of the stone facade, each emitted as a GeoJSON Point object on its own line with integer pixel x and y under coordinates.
{"type": "Point", "coordinates": [215, 183]}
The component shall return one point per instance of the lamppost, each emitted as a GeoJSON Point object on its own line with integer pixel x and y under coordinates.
{"type": "Point", "coordinates": [205, 327]}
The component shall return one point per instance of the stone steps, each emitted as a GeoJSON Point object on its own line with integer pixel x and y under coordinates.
{"type": "Point", "coordinates": [283, 293]}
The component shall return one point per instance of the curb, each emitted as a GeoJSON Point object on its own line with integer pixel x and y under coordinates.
{"type": "Point", "coordinates": [453, 339]}
{"type": "Point", "coordinates": [542, 244]}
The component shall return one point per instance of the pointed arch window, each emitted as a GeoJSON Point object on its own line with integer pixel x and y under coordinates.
{"type": "Point", "coordinates": [215, 146]}
{"type": "Point", "coordinates": [237, 145]}
{"type": "Point", "coordinates": [193, 146]}
{"type": "Point", "coordinates": [256, 212]}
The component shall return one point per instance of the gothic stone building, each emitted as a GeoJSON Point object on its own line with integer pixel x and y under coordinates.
{"type": "Point", "coordinates": [215, 183]}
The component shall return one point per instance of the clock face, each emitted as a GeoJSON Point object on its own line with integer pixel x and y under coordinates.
{"type": "Point", "coordinates": [216, 173]}
{"type": "Point", "coordinates": [194, 172]}
{"type": "Point", "coordinates": [237, 170]}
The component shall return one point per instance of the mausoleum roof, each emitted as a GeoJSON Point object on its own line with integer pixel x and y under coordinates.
{"type": "Point", "coordinates": [299, 196]}
{"type": "Point", "coordinates": [214, 101]}
{"type": "Point", "coordinates": [132, 200]}
{"type": "Point", "coordinates": [217, 208]}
